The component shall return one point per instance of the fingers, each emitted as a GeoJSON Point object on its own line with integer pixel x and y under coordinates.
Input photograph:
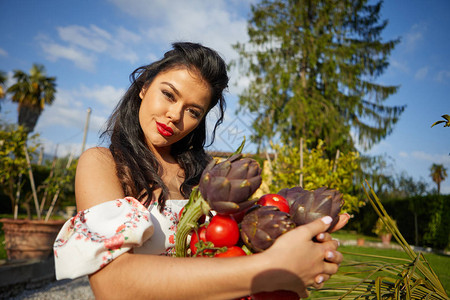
{"type": "Point", "coordinates": [318, 226]}
{"type": "Point", "coordinates": [334, 257]}
{"type": "Point", "coordinates": [323, 237]}
{"type": "Point", "coordinates": [320, 280]}
{"type": "Point", "coordinates": [330, 268]}
{"type": "Point", "coordinates": [343, 220]}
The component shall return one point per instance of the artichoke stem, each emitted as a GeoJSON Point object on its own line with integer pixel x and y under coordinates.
{"type": "Point", "coordinates": [194, 209]}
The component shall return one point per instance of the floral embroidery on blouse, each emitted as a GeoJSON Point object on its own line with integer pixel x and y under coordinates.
{"type": "Point", "coordinates": [96, 236]}
{"type": "Point", "coordinates": [173, 217]}
{"type": "Point", "coordinates": [111, 243]}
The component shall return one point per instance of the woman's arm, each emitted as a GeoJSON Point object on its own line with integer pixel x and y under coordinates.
{"type": "Point", "coordinates": [292, 263]}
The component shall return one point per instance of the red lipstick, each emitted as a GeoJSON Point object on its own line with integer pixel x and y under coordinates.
{"type": "Point", "coordinates": [164, 129]}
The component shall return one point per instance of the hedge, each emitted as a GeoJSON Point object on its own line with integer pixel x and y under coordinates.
{"type": "Point", "coordinates": [432, 215]}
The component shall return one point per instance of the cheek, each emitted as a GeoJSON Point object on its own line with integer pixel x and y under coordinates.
{"type": "Point", "coordinates": [192, 124]}
{"type": "Point", "coordinates": [150, 107]}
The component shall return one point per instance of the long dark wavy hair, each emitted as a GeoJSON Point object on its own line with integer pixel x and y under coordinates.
{"type": "Point", "coordinates": [136, 166]}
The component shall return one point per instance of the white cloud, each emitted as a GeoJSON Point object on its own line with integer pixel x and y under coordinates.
{"type": "Point", "coordinates": [66, 111]}
{"type": "Point", "coordinates": [432, 158]}
{"type": "Point", "coordinates": [211, 23]}
{"type": "Point", "coordinates": [85, 45]}
{"type": "Point", "coordinates": [414, 36]}
{"type": "Point", "coordinates": [215, 24]}
{"type": "Point", "coordinates": [70, 106]}
{"type": "Point", "coordinates": [403, 154]}
{"type": "Point", "coordinates": [127, 36]}
{"type": "Point", "coordinates": [92, 38]}
{"type": "Point", "coordinates": [3, 52]}
{"type": "Point", "coordinates": [10, 80]}
{"type": "Point", "coordinates": [443, 76]}
{"type": "Point", "coordinates": [421, 73]}
{"type": "Point", "coordinates": [401, 66]}
{"type": "Point", "coordinates": [81, 59]}
{"type": "Point", "coordinates": [98, 40]}
{"type": "Point", "coordinates": [65, 149]}
{"type": "Point", "coordinates": [106, 95]}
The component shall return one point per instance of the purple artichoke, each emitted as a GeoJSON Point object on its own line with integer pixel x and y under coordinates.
{"type": "Point", "coordinates": [307, 206]}
{"type": "Point", "coordinates": [261, 226]}
{"type": "Point", "coordinates": [227, 186]}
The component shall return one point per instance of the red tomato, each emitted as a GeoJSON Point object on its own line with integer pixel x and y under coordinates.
{"type": "Point", "coordinates": [274, 200]}
{"type": "Point", "coordinates": [231, 251]}
{"type": "Point", "coordinates": [194, 239]}
{"type": "Point", "coordinates": [281, 294]}
{"type": "Point", "coordinates": [222, 231]}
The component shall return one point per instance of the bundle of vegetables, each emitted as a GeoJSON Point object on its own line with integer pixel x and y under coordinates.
{"type": "Point", "coordinates": [237, 224]}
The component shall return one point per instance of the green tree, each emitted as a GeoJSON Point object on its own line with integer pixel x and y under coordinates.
{"type": "Point", "coordinates": [312, 67]}
{"type": "Point", "coordinates": [378, 171]}
{"type": "Point", "coordinates": [3, 78]}
{"type": "Point", "coordinates": [317, 171]}
{"type": "Point", "coordinates": [438, 174]}
{"type": "Point", "coordinates": [13, 163]}
{"type": "Point", "coordinates": [407, 187]}
{"type": "Point", "coordinates": [32, 92]}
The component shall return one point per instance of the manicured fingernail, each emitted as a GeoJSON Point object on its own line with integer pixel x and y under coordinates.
{"type": "Point", "coordinates": [327, 220]}
{"type": "Point", "coordinates": [329, 255]}
{"type": "Point", "coordinates": [339, 243]}
{"type": "Point", "coordinates": [319, 279]}
{"type": "Point", "coordinates": [321, 236]}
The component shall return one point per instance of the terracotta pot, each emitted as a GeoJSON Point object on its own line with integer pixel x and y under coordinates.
{"type": "Point", "coordinates": [360, 241]}
{"type": "Point", "coordinates": [386, 238]}
{"type": "Point", "coordinates": [25, 239]}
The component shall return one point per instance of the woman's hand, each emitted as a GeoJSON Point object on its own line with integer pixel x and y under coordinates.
{"type": "Point", "coordinates": [298, 262]}
{"type": "Point", "coordinates": [343, 220]}
{"type": "Point", "coordinates": [331, 256]}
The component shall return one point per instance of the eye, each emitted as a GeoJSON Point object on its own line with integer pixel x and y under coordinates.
{"type": "Point", "coordinates": [168, 95]}
{"type": "Point", "coordinates": [194, 113]}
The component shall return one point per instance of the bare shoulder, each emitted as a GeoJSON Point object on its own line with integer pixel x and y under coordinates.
{"type": "Point", "coordinates": [96, 155]}
{"type": "Point", "coordinates": [96, 180]}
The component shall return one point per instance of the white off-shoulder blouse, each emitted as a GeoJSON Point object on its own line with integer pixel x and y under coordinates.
{"type": "Point", "coordinates": [96, 236]}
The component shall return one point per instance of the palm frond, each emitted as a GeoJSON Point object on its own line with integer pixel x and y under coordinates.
{"type": "Point", "coordinates": [399, 278]}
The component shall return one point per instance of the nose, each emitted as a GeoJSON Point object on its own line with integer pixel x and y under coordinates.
{"type": "Point", "coordinates": [175, 112]}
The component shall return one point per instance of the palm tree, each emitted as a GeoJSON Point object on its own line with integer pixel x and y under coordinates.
{"type": "Point", "coordinates": [32, 92]}
{"type": "Point", "coordinates": [3, 79]}
{"type": "Point", "coordinates": [438, 174]}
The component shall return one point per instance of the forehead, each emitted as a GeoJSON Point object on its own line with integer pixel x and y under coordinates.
{"type": "Point", "coordinates": [183, 73]}
{"type": "Point", "coordinates": [188, 82]}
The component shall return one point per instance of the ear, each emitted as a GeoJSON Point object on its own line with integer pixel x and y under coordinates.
{"type": "Point", "coordinates": [142, 92]}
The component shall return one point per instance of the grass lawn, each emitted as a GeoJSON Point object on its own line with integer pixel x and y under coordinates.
{"type": "Point", "coordinates": [439, 263]}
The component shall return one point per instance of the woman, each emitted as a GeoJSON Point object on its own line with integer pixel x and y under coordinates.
{"type": "Point", "coordinates": [127, 198]}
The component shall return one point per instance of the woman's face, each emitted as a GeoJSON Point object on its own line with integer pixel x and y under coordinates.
{"type": "Point", "coordinates": [172, 106]}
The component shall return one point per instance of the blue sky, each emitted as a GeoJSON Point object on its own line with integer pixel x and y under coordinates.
{"type": "Point", "coordinates": [93, 46]}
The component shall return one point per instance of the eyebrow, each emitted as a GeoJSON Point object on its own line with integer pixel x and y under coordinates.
{"type": "Point", "coordinates": [179, 95]}
{"type": "Point", "coordinates": [172, 87]}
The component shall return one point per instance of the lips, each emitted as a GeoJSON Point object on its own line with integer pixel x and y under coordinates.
{"type": "Point", "coordinates": [164, 129]}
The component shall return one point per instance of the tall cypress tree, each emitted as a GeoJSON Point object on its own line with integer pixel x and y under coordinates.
{"type": "Point", "coordinates": [313, 66]}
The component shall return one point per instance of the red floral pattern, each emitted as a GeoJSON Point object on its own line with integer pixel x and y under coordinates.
{"type": "Point", "coordinates": [88, 242]}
